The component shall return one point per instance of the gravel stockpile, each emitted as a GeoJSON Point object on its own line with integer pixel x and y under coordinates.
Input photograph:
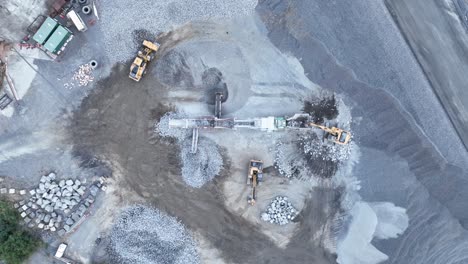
{"type": "Point", "coordinates": [146, 235]}
{"type": "Point", "coordinates": [280, 211]}
{"type": "Point", "coordinates": [163, 129]}
{"type": "Point", "coordinates": [198, 168]}
{"type": "Point", "coordinates": [203, 166]}
{"type": "Point", "coordinates": [120, 18]}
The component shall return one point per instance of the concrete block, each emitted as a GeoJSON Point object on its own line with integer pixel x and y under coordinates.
{"type": "Point", "coordinates": [46, 219]}
{"type": "Point", "coordinates": [16, 205]}
{"type": "Point", "coordinates": [61, 232]}
{"type": "Point", "coordinates": [43, 179]}
{"type": "Point", "coordinates": [22, 202]}
{"type": "Point", "coordinates": [31, 224]}
{"type": "Point", "coordinates": [57, 224]}
{"type": "Point", "coordinates": [32, 214]}
{"type": "Point", "coordinates": [54, 214]}
{"type": "Point", "coordinates": [61, 183]}
{"type": "Point", "coordinates": [27, 220]}
{"type": "Point", "coordinates": [52, 229]}
{"type": "Point", "coordinates": [32, 192]}
{"type": "Point", "coordinates": [67, 228]}
{"type": "Point", "coordinates": [29, 204]}
{"type": "Point", "coordinates": [76, 217]}
{"type": "Point", "coordinates": [40, 225]}
{"type": "Point", "coordinates": [34, 206]}
{"type": "Point", "coordinates": [47, 185]}
{"type": "Point", "coordinates": [69, 182]}
{"type": "Point", "coordinates": [22, 192]}
{"type": "Point", "coordinates": [59, 218]}
{"type": "Point", "coordinates": [69, 221]}
{"type": "Point", "coordinates": [49, 208]}
{"type": "Point", "coordinates": [11, 191]}
{"type": "Point", "coordinates": [51, 176]}
{"type": "Point", "coordinates": [23, 214]}
{"type": "Point", "coordinates": [37, 220]}
{"type": "Point", "coordinates": [24, 207]}
{"type": "Point", "coordinates": [3, 190]}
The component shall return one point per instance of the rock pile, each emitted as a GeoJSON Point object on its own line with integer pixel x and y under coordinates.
{"type": "Point", "coordinates": [84, 75]}
{"type": "Point", "coordinates": [146, 235]}
{"type": "Point", "coordinates": [51, 195]}
{"type": "Point", "coordinates": [57, 204]}
{"type": "Point", "coordinates": [280, 211]}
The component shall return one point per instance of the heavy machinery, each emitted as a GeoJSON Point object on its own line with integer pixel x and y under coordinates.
{"type": "Point", "coordinates": [144, 56]}
{"type": "Point", "coordinates": [334, 134]}
{"type": "Point", "coordinates": [254, 176]}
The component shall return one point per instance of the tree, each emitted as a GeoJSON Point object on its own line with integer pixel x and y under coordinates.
{"type": "Point", "coordinates": [16, 244]}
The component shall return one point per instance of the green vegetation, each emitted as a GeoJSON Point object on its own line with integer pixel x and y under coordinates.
{"type": "Point", "coordinates": [15, 244]}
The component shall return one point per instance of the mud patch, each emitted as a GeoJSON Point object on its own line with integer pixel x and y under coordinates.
{"type": "Point", "coordinates": [213, 83]}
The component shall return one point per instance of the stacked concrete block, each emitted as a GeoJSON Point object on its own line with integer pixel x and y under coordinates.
{"type": "Point", "coordinates": [280, 211]}
{"type": "Point", "coordinates": [11, 191]}
{"type": "Point", "coordinates": [3, 190]}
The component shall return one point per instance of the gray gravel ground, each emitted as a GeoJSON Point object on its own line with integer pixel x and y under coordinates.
{"type": "Point", "coordinates": [146, 235]}
{"type": "Point", "coordinates": [412, 154]}
{"type": "Point", "coordinates": [162, 16]}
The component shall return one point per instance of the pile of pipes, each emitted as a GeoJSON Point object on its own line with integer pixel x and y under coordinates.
{"type": "Point", "coordinates": [280, 211]}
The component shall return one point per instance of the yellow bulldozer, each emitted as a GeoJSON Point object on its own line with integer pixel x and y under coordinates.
{"type": "Point", "coordinates": [334, 134]}
{"type": "Point", "coordinates": [144, 56]}
{"type": "Point", "coordinates": [253, 178]}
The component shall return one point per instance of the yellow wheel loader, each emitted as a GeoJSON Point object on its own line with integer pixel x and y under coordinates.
{"type": "Point", "coordinates": [144, 56]}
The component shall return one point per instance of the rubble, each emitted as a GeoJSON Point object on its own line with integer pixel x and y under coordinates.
{"type": "Point", "coordinates": [52, 202]}
{"type": "Point", "coordinates": [83, 76]}
{"type": "Point", "coordinates": [198, 168]}
{"type": "Point", "coordinates": [146, 235]}
{"type": "Point", "coordinates": [280, 211]}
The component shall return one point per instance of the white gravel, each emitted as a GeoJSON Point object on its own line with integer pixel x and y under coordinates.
{"type": "Point", "coordinates": [146, 235]}
{"type": "Point", "coordinates": [120, 18]}
{"type": "Point", "coordinates": [203, 166]}
{"type": "Point", "coordinates": [198, 168]}
{"type": "Point", "coordinates": [163, 129]}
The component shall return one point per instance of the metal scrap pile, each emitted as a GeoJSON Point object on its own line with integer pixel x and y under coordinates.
{"type": "Point", "coordinates": [280, 211]}
{"type": "Point", "coordinates": [84, 75]}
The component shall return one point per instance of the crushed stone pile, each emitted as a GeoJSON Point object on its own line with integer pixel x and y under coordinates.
{"type": "Point", "coordinates": [118, 19]}
{"type": "Point", "coordinates": [315, 148]}
{"type": "Point", "coordinates": [198, 168]}
{"type": "Point", "coordinates": [203, 166]}
{"type": "Point", "coordinates": [163, 129]}
{"type": "Point", "coordinates": [146, 235]}
{"type": "Point", "coordinates": [280, 211]}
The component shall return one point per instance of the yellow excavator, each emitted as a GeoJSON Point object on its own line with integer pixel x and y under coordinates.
{"type": "Point", "coordinates": [334, 134]}
{"type": "Point", "coordinates": [144, 56]}
{"type": "Point", "coordinates": [253, 178]}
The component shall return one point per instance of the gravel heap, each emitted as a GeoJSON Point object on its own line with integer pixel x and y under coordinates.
{"type": "Point", "coordinates": [198, 168]}
{"type": "Point", "coordinates": [203, 166]}
{"type": "Point", "coordinates": [146, 235]}
{"type": "Point", "coordinates": [163, 129]}
{"type": "Point", "coordinates": [326, 151]}
{"type": "Point", "coordinates": [118, 19]}
{"type": "Point", "coordinates": [280, 211]}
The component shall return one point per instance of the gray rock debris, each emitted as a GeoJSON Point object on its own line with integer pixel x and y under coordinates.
{"type": "Point", "coordinates": [280, 211]}
{"type": "Point", "coordinates": [146, 235]}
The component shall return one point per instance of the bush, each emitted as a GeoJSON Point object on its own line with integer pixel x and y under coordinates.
{"type": "Point", "coordinates": [16, 245]}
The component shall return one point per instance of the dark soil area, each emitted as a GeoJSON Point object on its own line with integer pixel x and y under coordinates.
{"type": "Point", "coordinates": [320, 109]}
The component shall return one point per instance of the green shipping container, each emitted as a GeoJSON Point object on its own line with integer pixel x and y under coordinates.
{"type": "Point", "coordinates": [45, 30]}
{"type": "Point", "coordinates": [58, 39]}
